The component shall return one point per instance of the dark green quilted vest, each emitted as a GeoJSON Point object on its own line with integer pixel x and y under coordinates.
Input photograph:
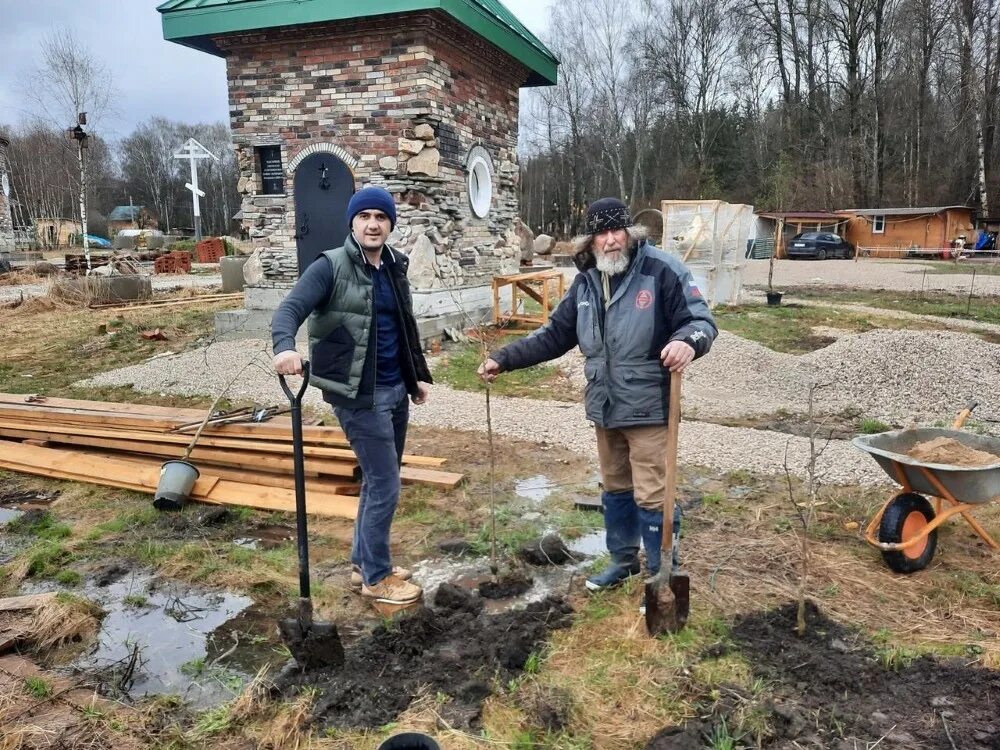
{"type": "Point", "coordinates": [339, 332]}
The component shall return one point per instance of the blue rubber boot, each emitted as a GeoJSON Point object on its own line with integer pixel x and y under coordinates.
{"type": "Point", "coordinates": [621, 526]}
{"type": "Point", "coordinates": [651, 528]}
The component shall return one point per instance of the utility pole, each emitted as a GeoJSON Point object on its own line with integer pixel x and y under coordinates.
{"type": "Point", "coordinates": [192, 150]}
{"type": "Point", "coordinates": [79, 135]}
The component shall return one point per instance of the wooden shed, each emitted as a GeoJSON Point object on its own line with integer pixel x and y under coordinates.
{"type": "Point", "coordinates": [892, 232]}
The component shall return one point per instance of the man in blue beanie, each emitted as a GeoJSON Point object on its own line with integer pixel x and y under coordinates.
{"type": "Point", "coordinates": [366, 359]}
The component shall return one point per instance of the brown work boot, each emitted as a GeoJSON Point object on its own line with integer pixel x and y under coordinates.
{"type": "Point", "coordinates": [392, 590]}
{"type": "Point", "coordinates": [357, 580]}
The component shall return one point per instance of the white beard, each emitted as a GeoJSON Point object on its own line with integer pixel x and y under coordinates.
{"type": "Point", "coordinates": [612, 267]}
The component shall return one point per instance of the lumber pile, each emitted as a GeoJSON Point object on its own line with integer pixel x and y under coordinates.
{"type": "Point", "coordinates": [249, 463]}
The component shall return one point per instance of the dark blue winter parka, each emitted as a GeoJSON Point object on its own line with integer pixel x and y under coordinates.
{"type": "Point", "coordinates": [657, 301]}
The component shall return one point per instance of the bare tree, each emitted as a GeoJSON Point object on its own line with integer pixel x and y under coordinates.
{"type": "Point", "coordinates": [69, 83]}
{"type": "Point", "coordinates": [69, 80]}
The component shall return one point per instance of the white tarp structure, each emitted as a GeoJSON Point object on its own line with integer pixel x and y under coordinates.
{"type": "Point", "coordinates": [711, 238]}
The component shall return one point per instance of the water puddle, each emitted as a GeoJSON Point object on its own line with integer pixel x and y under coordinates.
{"type": "Point", "coordinates": [554, 579]}
{"type": "Point", "coordinates": [592, 544]}
{"type": "Point", "coordinates": [267, 537]}
{"type": "Point", "coordinates": [535, 488]}
{"type": "Point", "coordinates": [155, 640]}
{"type": "Point", "coordinates": [9, 514]}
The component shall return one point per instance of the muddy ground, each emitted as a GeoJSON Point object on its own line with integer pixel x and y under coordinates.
{"type": "Point", "coordinates": [452, 650]}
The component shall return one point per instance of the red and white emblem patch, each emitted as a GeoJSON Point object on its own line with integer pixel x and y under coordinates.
{"type": "Point", "coordinates": [644, 299]}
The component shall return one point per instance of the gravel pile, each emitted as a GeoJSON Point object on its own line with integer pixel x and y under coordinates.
{"type": "Point", "coordinates": [867, 274]}
{"type": "Point", "coordinates": [894, 376]}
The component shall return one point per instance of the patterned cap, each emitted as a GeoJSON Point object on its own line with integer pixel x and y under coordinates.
{"type": "Point", "coordinates": [607, 213]}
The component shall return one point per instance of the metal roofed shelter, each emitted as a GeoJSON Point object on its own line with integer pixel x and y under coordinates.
{"type": "Point", "coordinates": [194, 23]}
{"type": "Point", "coordinates": [783, 225]}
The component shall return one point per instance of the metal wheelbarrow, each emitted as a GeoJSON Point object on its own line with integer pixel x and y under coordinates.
{"type": "Point", "coordinates": [905, 529]}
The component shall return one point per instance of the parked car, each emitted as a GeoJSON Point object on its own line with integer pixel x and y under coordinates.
{"type": "Point", "coordinates": [819, 245]}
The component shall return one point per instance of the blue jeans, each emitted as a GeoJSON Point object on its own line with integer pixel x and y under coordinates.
{"type": "Point", "coordinates": [377, 436]}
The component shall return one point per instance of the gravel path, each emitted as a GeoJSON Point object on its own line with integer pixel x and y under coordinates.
{"type": "Point", "coordinates": [160, 284]}
{"type": "Point", "coordinates": [721, 448]}
{"type": "Point", "coordinates": [866, 274]}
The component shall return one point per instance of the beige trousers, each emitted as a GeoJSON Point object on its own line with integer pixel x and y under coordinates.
{"type": "Point", "coordinates": [635, 458]}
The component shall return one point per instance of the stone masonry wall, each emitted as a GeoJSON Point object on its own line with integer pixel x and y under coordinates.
{"type": "Point", "coordinates": [402, 101]}
{"type": "Point", "coordinates": [6, 222]}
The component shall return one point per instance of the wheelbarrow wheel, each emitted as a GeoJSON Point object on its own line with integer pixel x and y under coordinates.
{"type": "Point", "coordinates": [906, 518]}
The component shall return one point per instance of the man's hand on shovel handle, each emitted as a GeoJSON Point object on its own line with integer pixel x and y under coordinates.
{"type": "Point", "coordinates": [288, 363]}
{"type": "Point", "coordinates": [677, 355]}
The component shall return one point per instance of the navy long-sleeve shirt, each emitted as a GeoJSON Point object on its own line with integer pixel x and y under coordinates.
{"type": "Point", "coordinates": [313, 290]}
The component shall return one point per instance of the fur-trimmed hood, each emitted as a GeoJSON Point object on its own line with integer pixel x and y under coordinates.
{"type": "Point", "coordinates": [583, 256]}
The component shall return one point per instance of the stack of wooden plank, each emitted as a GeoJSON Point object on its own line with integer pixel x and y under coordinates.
{"type": "Point", "coordinates": [123, 445]}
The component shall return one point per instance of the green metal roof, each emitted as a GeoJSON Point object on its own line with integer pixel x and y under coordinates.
{"type": "Point", "coordinates": [194, 22]}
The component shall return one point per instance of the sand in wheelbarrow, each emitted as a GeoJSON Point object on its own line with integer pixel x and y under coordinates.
{"type": "Point", "coordinates": [946, 450]}
{"type": "Point", "coordinates": [453, 648]}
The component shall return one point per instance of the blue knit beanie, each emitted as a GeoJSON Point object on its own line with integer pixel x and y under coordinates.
{"type": "Point", "coordinates": [369, 198]}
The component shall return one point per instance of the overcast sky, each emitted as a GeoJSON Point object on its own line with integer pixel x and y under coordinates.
{"type": "Point", "coordinates": [152, 77]}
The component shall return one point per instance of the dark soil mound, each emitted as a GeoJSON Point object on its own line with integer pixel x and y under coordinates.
{"type": "Point", "coordinates": [454, 649]}
{"type": "Point", "coordinates": [549, 550]}
{"type": "Point", "coordinates": [832, 691]}
{"type": "Point", "coordinates": [833, 674]}
{"type": "Point", "coordinates": [505, 587]}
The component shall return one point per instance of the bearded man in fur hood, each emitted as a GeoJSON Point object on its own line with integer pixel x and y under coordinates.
{"type": "Point", "coordinates": [638, 316]}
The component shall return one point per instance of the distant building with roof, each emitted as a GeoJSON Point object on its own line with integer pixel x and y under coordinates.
{"type": "Point", "coordinates": [131, 217]}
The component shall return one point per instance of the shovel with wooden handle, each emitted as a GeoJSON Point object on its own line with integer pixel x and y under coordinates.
{"type": "Point", "coordinates": [668, 599]}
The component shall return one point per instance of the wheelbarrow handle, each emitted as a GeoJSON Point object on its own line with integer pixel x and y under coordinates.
{"type": "Point", "coordinates": [966, 413]}
{"type": "Point", "coordinates": [296, 398]}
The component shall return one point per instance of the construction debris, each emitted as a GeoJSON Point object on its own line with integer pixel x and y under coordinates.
{"type": "Point", "coordinates": [250, 463]}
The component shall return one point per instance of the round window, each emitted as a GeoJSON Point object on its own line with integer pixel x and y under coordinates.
{"type": "Point", "coordinates": [480, 184]}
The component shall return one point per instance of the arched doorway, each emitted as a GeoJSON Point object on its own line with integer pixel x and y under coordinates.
{"type": "Point", "coordinates": [323, 187]}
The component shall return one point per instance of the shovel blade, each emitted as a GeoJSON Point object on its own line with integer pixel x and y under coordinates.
{"type": "Point", "coordinates": [314, 645]}
{"type": "Point", "coordinates": [667, 604]}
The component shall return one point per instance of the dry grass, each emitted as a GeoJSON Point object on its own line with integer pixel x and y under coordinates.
{"type": "Point", "coordinates": [62, 621]}
{"type": "Point", "coordinates": [19, 278]}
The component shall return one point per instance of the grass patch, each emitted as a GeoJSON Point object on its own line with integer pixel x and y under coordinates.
{"type": "Point", "coordinates": [962, 268]}
{"type": "Point", "coordinates": [38, 687]}
{"type": "Point", "coordinates": [135, 600]}
{"type": "Point", "coordinates": [46, 351]}
{"type": "Point", "coordinates": [938, 304]}
{"type": "Point", "coordinates": [873, 426]}
{"type": "Point", "coordinates": [43, 526]}
{"type": "Point", "coordinates": [46, 559]}
{"type": "Point", "coordinates": [69, 578]}
{"type": "Point", "coordinates": [790, 328]}
{"type": "Point", "coordinates": [457, 367]}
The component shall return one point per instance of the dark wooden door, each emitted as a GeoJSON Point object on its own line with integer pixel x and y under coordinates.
{"type": "Point", "coordinates": [323, 188]}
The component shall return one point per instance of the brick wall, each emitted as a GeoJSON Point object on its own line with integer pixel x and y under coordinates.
{"type": "Point", "coordinates": [6, 224]}
{"type": "Point", "coordinates": [402, 101]}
